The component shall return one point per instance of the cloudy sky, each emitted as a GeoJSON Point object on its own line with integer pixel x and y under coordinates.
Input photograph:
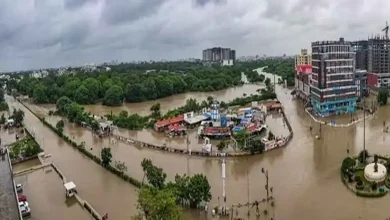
{"type": "Point", "coordinates": [52, 33]}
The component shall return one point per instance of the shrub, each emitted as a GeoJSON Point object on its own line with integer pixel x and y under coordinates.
{"type": "Point", "coordinates": [347, 164]}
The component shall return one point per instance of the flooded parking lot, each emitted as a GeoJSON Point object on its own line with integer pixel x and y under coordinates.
{"type": "Point", "coordinates": [46, 196]}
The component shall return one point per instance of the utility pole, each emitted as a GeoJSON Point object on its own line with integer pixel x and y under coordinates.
{"type": "Point", "coordinates": [274, 83]}
{"type": "Point", "coordinates": [364, 129]}
{"type": "Point", "coordinates": [224, 186]}
{"type": "Point", "coordinates": [188, 156]}
{"type": "Point", "coordinates": [265, 172]}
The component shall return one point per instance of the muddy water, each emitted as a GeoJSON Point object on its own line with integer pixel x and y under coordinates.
{"type": "Point", "coordinates": [103, 190]}
{"type": "Point", "coordinates": [25, 165]}
{"type": "Point", "coordinates": [305, 175]}
{"type": "Point", "coordinates": [174, 101]}
{"type": "Point", "coordinates": [46, 197]}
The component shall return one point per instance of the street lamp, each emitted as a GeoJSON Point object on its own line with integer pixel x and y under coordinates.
{"type": "Point", "coordinates": [265, 172]}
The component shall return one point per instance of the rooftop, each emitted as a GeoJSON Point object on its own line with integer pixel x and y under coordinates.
{"type": "Point", "coordinates": [195, 119]}
{"type": "Point", "coordinates": [169, 121]}
{"type": "Point", "coordinates": [8, 204]}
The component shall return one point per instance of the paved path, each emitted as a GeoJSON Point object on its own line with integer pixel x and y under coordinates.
{"type": "Point", "coordinates": [8, 204]}
{"type": "Point", "coordinates": [336, 125]}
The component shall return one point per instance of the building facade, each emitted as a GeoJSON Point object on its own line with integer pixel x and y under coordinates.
{"type": "Point", "coordinates": [373, 55]}
{"type": "Point", "coordinates": [303, 81]}
{"type": "Point", "coordinates": [333, 90]}
{"type": "Point", "coordinates": [218, 54]}
{"type": "Point", "coordinates": [304, 58]}
{"type": "Point", "coordinates": [361, 82]}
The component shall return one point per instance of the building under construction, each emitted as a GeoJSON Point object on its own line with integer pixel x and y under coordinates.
{"type": "Point", "coordinates": [373, 55]}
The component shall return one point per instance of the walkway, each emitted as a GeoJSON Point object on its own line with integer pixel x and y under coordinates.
{"type": "Point", "coordinates": [336, 125]}
{"type": "Point", "coordinates": [8, 204]}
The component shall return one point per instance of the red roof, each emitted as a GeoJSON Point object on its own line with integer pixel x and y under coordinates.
{"type": "Point", "coordinates": [176, 127]}
{"type": "Point", "coordinates": [214, 130]}
{"type": "Point", "coordinates": [169, 121]}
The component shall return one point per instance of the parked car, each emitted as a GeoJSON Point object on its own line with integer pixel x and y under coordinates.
{"type": "Point", "coordinates": [25, 210]}
{"type": "Point", "coordinates": [22, 198]}
{"type": "Point", "coordinates": [23, 204]}
{"type": "Point", "coordinates": [19, 188]}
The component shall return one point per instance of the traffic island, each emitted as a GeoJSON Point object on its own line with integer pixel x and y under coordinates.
{"type": "Point", "coordinates": [366, 175]}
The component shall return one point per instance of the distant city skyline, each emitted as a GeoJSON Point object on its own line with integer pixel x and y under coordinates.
{"type": "Point", "coordinates": [43, 34]}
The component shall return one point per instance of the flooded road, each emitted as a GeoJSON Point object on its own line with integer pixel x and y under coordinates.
{"type": "Point", "coordinates": [102, 189]}
{"type": "Point", "coordinates": [305, 174]}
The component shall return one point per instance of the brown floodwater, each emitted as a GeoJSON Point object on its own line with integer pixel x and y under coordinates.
{"type": "Point", "coordinates": [46, 197]}
{"type": "Point", "coordinates": [305, 174]}
{"type": "Point", "coordinates": [25, 165]}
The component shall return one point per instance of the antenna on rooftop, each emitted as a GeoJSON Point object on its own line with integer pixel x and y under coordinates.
{"type": "Point", "coordinates": [386, 30]}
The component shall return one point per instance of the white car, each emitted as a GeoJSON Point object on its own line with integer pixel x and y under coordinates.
{"type": "Point", "coordinates": [25, 210]}
{"type": "Point", "coordinates": [19, 187]}
{"type": "Point", "coordinates": [23, 204]}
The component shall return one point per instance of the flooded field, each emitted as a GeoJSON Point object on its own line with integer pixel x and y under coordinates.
{"type": "Point", "coordinates": [46, 197]}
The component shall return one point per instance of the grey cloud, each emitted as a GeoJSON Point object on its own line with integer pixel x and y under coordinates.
{"type": "Point", "coordinates": [203, 3]}
{"type": "Point", "coordinates": [72, 4]}
{"type": "Point", "coordinates": [120, 11]}
{"type": "Point", "coordinates": [47, 33]}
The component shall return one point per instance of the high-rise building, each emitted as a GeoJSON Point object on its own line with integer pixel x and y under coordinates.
{"type": "Point", "coordinates": [373, 55]}
{"type": "Point", "coordinates": [303, 58]}
{"type": "Point", "coordinates": [218, 54]}
{"type": "Point", "coordinates": [333, 89]}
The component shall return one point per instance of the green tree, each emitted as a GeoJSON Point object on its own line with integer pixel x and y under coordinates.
{"type": "Point", "coordinates": [268, 84]}
{"type": "Point", "coordinates": [120, 166]}
{"type": "Point", "coordinates": [60, 126]}
{"type": "Point", "coordinates": [191, 105]}
{"type": "Point", "coordinates": [3, 106]}
{"type": "Point", "coordinates": [63, 104]}
{"type": "Point", "coordinates": [113, 96]}
{"type": "Point", "coordinates": [83, 96]}
{"type": "Point", "coordinates": [383, 94]}
{"type": "Point", "coordinates": [40, 94]}
{"type": "Point", "coordinates": [155, 175]}
{"type": "Point", "coordinates": [157, 205]}
{"type": "Point", "coordinates": [95, 126]}
{"type": "Point", "coordinates": [255, 146]}
{"type": "Point", "coordinates": [70, 88]}
{"type": "Point", "coordinates": [2, 119]}
{"type": "Point", "coordinates": [156, 111]}
{"type": "Point", "coordinates": [94, 87]}
{"type": "Point", "coordinates": [75, 112]}
{"type": "Point", "coordinates": [198, 190]}
{"type": "Point", "coordinates": [106, 156]}
{"type": "Point", "coordinates": [222, 145]}
{"type": "Point", "coordinates": [363, 155]}
{"type": "Point", "coordinates": [271, 136]}
{"type": "Point", "coordinates": [18, 116]}
{"type": "Point", "coordinates": [241, 138]}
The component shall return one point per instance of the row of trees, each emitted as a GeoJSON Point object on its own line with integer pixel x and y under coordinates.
{"type": "Point", "coordinates": [162, 200]}
{"type": "Point", "coordinates": [130, 83]}
{"type": "Point", "coordinates": [113, 87]}
{"type": "Point", "coordinates": [75, 113]}
{"type": "Point", "coordinates": [3, 104]}
{"type": "Point", "coordinates": [283, 68]}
